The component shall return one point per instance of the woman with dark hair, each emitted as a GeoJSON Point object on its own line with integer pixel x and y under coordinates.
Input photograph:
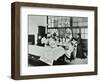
{"type": "Point", "coordinates": [79, 47]}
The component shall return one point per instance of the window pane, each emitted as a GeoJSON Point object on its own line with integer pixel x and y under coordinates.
{"type": "Point", "coordinates": [79, 19]}
{"type": "Point", "coordinates": [80, 24]}
{"type": "Point", "coordinates": [75, 19]}
{"type": "Point", "coordinates": [85, 23]}
{"type": "Point", "coordinates": [86, 30]}
{"type": "Point", "coordinates": [86, 36]}
{"type": "Point", "coordinates": [82, 30]}
{"type": "Point", "coordinates": [82, 36]}
{"type": "Point", "coordinates": [75, 24]}
{"type": "Point", "coordinates": [85, 19]}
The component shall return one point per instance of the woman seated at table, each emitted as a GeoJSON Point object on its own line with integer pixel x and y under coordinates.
{"type": "Point", "coordinates": [70, 52]}
{"type": "Point", "coordinates": [69, 48]}
{"type": "Point", "coordinates": [51, 40]}
{"type": "Point", "coordinates": [44, 40]}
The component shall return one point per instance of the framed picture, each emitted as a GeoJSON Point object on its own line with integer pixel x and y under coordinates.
{"type": "Point", "coordinates": [53, 40]}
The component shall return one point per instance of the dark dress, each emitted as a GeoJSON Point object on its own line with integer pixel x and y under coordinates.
{"type": "Point", "coordinates": [80, 53]}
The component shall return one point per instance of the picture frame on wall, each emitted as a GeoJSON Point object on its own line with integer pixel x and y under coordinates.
{"type": "Point", "coordinates": [53, 40]}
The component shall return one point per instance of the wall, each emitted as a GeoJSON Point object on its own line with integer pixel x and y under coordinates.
{"type": "Point", "coordinates": [5, 41]}
{"type": "Point", "coordinates": [34, 22]}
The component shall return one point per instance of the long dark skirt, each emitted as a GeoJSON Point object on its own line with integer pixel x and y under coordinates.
{"type": "Point", "coordinates": [80, 53]}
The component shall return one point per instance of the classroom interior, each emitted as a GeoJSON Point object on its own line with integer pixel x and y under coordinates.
{"type": "Point", "coordinates": [59, 28]}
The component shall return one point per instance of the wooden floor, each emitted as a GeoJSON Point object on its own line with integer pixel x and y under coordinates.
{"type": "Point", "coordinates": [79, 61]}
{"type": "Point", "coordinates": [73, 62]}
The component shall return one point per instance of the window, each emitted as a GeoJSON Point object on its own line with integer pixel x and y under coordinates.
{"type": "Point", "coordinates": [60, 23]}
{"type": "Point", "coordinates": [81, 23]}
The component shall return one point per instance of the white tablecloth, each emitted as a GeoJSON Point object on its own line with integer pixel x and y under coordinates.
{"type": "Point", "coordinates": [47, 54]}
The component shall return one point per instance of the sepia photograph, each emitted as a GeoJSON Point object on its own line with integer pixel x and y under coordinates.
{"type": "Point", "coordinates": [57, 40]}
